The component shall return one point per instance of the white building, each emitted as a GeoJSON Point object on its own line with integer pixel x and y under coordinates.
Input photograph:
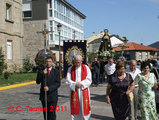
{"type": "Point", "coordinates": [36, 13]}
{"type": "Point", "coordinates": [71, 19]}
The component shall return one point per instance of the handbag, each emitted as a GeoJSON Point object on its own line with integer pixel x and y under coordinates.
{"type": "Point", "coordinates": [130, 95]}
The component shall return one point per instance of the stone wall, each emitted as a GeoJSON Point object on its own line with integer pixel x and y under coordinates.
{"type": "Point", "coordinates": [12, 29]}
{"type": "Point", "coordinates": [33, 41]}
{"type": "Point", "coordinates": [144, 57]}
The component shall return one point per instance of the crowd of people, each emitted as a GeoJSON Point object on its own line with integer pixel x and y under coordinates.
{"type": "Point", "coordinates": [139, 81]}
{"type": "Point", "coordinates": [103, 69]}
{"type": "Point", "coordinates": [122, 79]}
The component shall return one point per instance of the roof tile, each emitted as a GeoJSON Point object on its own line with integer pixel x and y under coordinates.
{"type": "Point", "coordinates": [135, 46]}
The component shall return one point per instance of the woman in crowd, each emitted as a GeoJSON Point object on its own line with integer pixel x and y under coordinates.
{"type": "Point", "coordinates": [146, 94]}
{"type": "Point", "coordinates": [119, 86]}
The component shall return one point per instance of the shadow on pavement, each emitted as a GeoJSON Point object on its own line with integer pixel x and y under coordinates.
{"type": "Point", "coordinates": [32, 93]}
{"type": "Point", "coordinates": [28, 119]}
{"type": "Point", "coordinates": [63, 96]}
{"type": "Point", "coordinates": [100, 117]}
{"type": "Point", "coordinates": [97, 97]}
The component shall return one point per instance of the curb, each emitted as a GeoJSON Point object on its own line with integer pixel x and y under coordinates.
{"type": "Point", "coordinates": [17, 85]}
{"type": "Point", "coordinates": [22, 84]}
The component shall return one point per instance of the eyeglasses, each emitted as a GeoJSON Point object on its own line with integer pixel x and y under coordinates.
{"type": "Point", "coordinates": [122, 69]}
{"type": "Point", "coordinates": [146, 68]}
{"type": "Point", "coordinates": [48, 61]}
{"type": "Point", "coordinates": [77, 62]}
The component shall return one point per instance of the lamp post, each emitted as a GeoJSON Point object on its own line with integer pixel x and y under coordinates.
{"type": "Point", "coordinates": [59, 30]}
{"type": "Point", "coordinates": [74, 36]}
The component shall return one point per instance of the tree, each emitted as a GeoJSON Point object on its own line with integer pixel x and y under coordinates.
{"type": "Point", "coordinates": [2, 63]}
{"type": "Point", "coordinates": [125, 39]}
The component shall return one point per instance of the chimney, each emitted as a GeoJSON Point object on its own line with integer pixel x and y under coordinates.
{"type": "Point", "coordinates": [94, 34]}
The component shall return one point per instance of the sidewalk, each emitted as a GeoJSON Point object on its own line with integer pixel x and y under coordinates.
{"type": "Point", "coordinates": [99, 108]}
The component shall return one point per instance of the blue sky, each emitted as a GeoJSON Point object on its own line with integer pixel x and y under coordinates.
{"type": "Point", "coordinates": [135, 19]}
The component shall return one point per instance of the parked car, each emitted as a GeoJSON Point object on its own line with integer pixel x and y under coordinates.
{"type": "Point", "coordinates": [155, 70]}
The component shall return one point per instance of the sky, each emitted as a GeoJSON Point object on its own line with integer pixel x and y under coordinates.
{"type": "Point", "coordinates": [135, 19]}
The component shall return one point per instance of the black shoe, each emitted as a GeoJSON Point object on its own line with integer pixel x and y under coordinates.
{"type": "Point", "coordinates": [92, 85]}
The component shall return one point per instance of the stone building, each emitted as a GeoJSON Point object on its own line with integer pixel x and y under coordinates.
{"type": "Point", "coordinates": [155, 45]}
{"type": "Point", "coordinates": [137, 52]}
{"type": "Point", "coordinates": [94, 37]}
{"type": "Point", "coordinates": [36, 13]}
{"type": "Point", "coordinates": [11, 32]}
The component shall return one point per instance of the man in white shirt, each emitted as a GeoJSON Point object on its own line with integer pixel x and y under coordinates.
{"type": "Point", "coordinates": [133, 71]}
{"type": "Point", "coordinates": [110, 68]}
{"type": "Point", "coordinates": [79, 79]}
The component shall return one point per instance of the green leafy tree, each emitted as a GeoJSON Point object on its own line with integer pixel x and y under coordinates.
{"type": "Point", "coordinates": [2, 63]}
{"type": "Point", "coordinates": [125, 39]}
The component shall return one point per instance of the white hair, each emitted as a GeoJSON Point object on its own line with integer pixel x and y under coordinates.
{"type": "Point", "coordinates": [78, 56]}
{"type": "Point", "coordinates": [133, 61]}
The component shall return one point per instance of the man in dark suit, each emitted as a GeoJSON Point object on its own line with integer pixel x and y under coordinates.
{"type": "Point", "coordinates": [52, 84]}
{"type": "Point", "coordinates": [96, 71]}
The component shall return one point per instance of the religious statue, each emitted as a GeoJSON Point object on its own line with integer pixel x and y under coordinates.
{"type": "Point", "coordinates": [105, 47]}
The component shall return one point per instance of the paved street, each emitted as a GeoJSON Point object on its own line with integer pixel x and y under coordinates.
{"type": "Point", "coordinates": [29, 96]}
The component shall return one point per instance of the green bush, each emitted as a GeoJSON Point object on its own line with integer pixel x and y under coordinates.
{"type": "Point", "coordinates": [21, 71]}
{"type": "Point", "coordinates": [2, 63]}
{"type": "Point", "coordinates": [15, 68]}
{"type": "Point", "coordinates": [27, 66]}
{"type": "Point", "coordinates": [6, 75]}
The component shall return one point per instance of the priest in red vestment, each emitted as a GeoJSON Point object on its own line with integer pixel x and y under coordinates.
{"type": "Point", "coordinates": [79, 79]}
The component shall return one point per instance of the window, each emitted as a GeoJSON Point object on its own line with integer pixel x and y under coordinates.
{"type": "Point", "coordinates": [140, 55]}
{"type": "Point", "coordinates": [8, 11]}
{"type": "Point", "coordinates": [50, 23]}
{"type": "Point", "coordinates": [56, 37]}
{"type": "Point", "coordinates": [9, 49]}
{"type": "Point", "coordinates": [51, 29]}
{"type": "Point", "coordinates": [50, 3]}
{"type": "Point", "coordinates": [50, 13]}
{"type": "Point", "coordinates": [51, 36]}
{"type": "Point", "coordinates": [146, 55]}
{"type": "Point", "coordinates": [27, 9]}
